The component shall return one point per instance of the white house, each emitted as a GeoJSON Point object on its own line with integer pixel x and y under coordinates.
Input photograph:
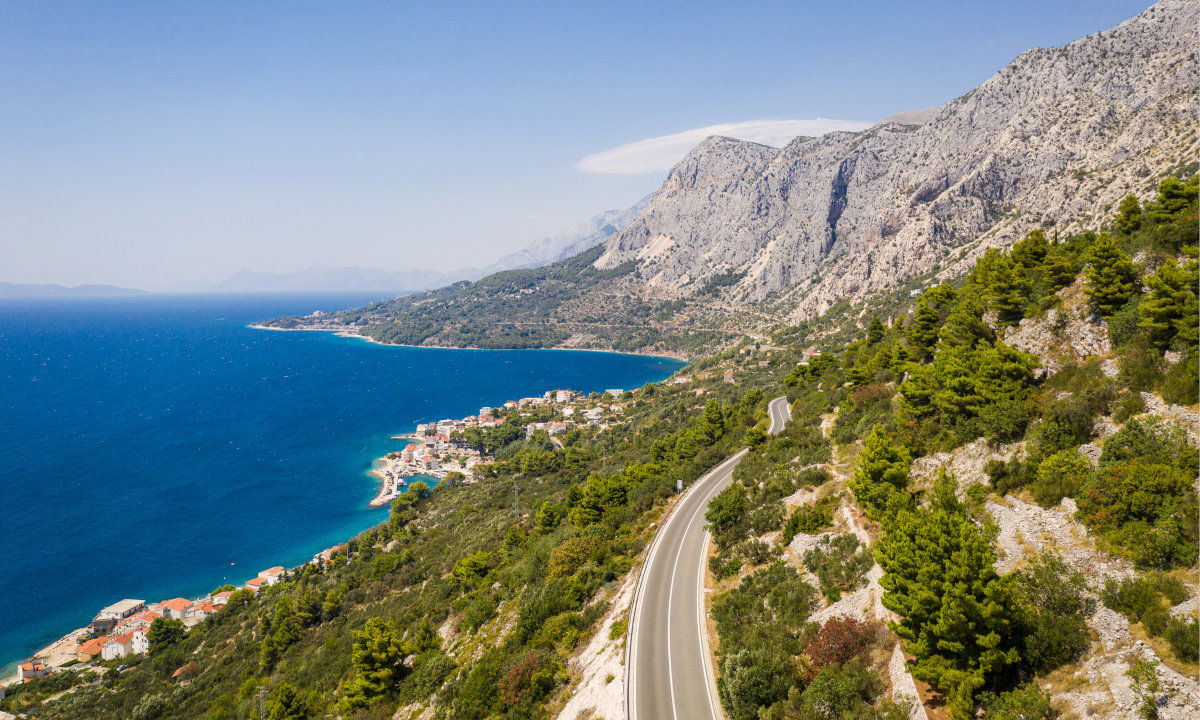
{"type": "Point", "coordinates": [107, 618]}
{"type": "Point", "coordinates": [118, 646]}
{"type": "Point", "coordinates": [270, 576]}
{"type": "Point", "coordinates": [141, 642]}
{"type": "Point", "coordinates": [32, 670]}
{"type": "Point", "coordinates": [174, 608]}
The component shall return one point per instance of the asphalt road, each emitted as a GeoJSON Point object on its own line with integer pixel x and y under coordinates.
{"type": "Point", "coordinates": [667, 673]}
{"type": "Point", "coordinates": [780, 413]}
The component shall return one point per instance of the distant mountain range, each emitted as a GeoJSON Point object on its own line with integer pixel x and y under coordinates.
{"type": "Point", "coordinates": [328, 278]}
{"type": "Point", "coordinates": [23, 290]}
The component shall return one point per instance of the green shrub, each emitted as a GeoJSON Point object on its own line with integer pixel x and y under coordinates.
{"type": "Point", "coordinates": [1184, 637]}
{"type": "Point", "coordinates": [1026, 702]}
{"type": "Point", "coordinates": [1181, 383]}
{"type": "Point", "coordinates": [1059, 476]}
{"type": "Point", "coordinates": [1146, 508]}
{"type": "Point", "coordinates": [430, 670]}
{"type": "Point", "coordinates": [1008, 476]}
{"type": "Point", "coordinates": [1141, 367]}
{"type": "Point", "coordinates": [767, 518]}
{"type": "Point", "coordinates": [1054, 606]}
{"type": "Point", "coordinates": [807, 519]}
{"type": "Point", "coordinates": [1128, 406]}
{"type": "Point", "coordinates": [839, 565]}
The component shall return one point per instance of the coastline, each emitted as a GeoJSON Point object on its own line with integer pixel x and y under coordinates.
{"type": "Point", "coordinates": [61, 650]}
{"type": "Point", "coordinates": [341, 332]}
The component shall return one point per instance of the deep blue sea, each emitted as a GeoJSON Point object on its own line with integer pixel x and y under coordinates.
{"type": "Point", "coordinates": [157, 446]}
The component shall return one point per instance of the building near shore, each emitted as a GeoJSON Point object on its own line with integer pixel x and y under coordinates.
{"type": "Point", "coordinates": [174, 608]}
{"type": "Point", "coordinates": [108, 618]}
{"type": "Point", "coordinates": [33, 669]}
{"type": "Point", "coordinates": [140, 641]}
{"type": "Point", "coordinates": [90, 650]}
{"type": "Point", "coordinates": [270, 576]}
{"type": "Point", "coordinates": [117, 646]}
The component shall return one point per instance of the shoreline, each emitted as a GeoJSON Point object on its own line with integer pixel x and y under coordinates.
{"type": "Point", "coordinates": [341, 332]}
{"type": "Point", "coordinates": [61, 651]}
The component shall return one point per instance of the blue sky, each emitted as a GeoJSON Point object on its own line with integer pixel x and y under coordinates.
{"type": "Point", "coordinates": [152, 144]}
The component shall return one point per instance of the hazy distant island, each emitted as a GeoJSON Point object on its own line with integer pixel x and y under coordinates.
{"type": "Point", "coordinates": [27, 290]}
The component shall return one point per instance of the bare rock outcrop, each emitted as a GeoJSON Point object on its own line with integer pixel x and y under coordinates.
{"type": "Point", "coordinates": [1179, 416]}
{"type": "Point", "coordinates": [965, 463]}
{"type": "Point", "coordinates": [599, 666]}
{"type": "Point", "coordinates": [1071, 331]}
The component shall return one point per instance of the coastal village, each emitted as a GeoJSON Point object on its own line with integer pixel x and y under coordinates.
{"type": "Point", "coordinates": [122, 629]}
{"type": "Point", "coordinates": [441, 448]}
{"type": "Point", "coordinates": [437, 449]}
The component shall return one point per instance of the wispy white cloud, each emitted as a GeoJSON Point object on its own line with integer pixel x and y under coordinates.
{"type": "Point", "coordinates": [660, 153]}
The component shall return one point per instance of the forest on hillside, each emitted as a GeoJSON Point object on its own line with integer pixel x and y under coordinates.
{"type": "Point", "coordinates": [458, 605]}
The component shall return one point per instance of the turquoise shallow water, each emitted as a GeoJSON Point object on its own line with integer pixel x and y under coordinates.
{"type": "Point", "coordinates": [154, 447]}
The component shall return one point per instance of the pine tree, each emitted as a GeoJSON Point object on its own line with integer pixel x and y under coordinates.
{"type": "Point", "coordinates": [923, 330]}
{"type": "Point", "coordinates": [376, 658]}
{"type": "Point", "coordinates": [875, 331]}
{"type": "Point", "coordinates": [880, 482]}
{"type": "Point", "coordinates": [1129, 215]}
{"type": "Point", "coordinates": [955, 611]}
{"type": "Point", "coordinates": [284, 631]}
{"type": "Point", "coordinates": [1174, 197]}
{"type": "Point", "coordinates": [917, 389]}
{"type": "Point", "coordinates": [1030, 252]}
{"type": "Point", "coordinates": [965, 326]}
{"type": "Point", "coordinates": [1112, 280]}
{"type": "Point", "coordinates": [1009, 290]}
{"type": "Point", "coordinates": [1060, 270]}
{"type": "Point", "coordinates": [1171, 306]}
{"type": "Point", "coordinates": [287, 704]}
{"type": "Point", "coordinates": [954, 373]}
{"type": "Point", "coordinates": [1002, 372]}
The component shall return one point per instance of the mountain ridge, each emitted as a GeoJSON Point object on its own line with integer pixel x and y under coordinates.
{"type": "Point", "coordinates": [742, 238]}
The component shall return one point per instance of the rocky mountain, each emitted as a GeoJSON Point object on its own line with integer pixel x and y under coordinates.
{"type": "Point", "coordinates": [326, 278]}
{"type": "Point", "coordinates": [1058, 133]}
{"type": "Point", "coordinates": [571, 241]}
{"type": "Point", "coordinates": [742, 238]}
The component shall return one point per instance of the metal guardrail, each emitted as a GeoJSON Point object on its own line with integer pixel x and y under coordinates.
{"type": "Point", "coordinates": [637, 588]}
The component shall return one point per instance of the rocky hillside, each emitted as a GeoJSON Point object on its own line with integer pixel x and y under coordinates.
{"type": "Point", "coordinates": [1058, 133]}
{"type": "Point", "coordinates": [742, 238]}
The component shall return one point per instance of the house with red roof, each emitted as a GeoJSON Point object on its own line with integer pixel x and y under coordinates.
{"type": "Point", "coordinates": [32, 670]}
{"type": "Point", "coordinates": [90, 650]}
{"type": "Point", "coordinates": [174, 608]}
{"type": "Point", "coordinates": [270, 576]}
{"type": "Point", "coordinates": [117, 646]}
{"type": "Point", "coordinates": [197, 612]}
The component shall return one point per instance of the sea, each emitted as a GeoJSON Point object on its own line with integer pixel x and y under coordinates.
{"type": "Point", "coordinates": [156, 446]}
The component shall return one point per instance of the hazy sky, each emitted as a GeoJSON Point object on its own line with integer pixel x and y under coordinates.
{"type": "Point", "coordinates": [152, 144]}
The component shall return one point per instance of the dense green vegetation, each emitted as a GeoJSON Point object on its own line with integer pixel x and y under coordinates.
{"type": "Point", "coordinates": [940, 378]}
{"type": "Point", "coordinates": [538, 308]}
{"type": "Point", "coordinates": [458, 598]}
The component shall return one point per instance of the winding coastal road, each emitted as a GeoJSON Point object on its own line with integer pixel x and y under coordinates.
{"type": "Point", "coordinates": [667, 673]}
